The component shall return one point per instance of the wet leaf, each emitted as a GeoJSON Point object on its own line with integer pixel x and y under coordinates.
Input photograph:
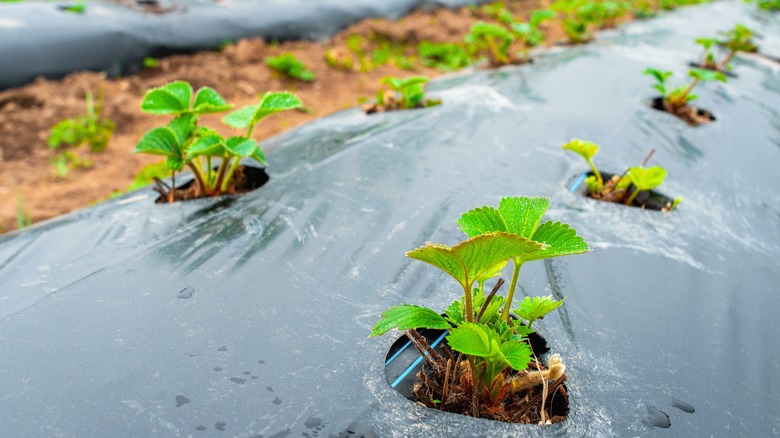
{"type": "Point", "coordinates": [407, 317]}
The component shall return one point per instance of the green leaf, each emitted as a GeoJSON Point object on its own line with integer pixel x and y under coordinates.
{"type": "Point", "coordinates": [522, 214]}
{"type": "Point", "coordinates": [208, 101]}
{"type": "Point", "coordinates": [560, 240]}
{"type": "Point", "coordinates": [585, 149]}
{"type": "Point", "coordinates": [531, 309]}
{"type": "Point", "coordinates": [174, 162]}
{"type": "Point", "coordinates": [407, 317]}
{"type": "Point", "coordinates": [705, 75]}
{"type": "Point", "coordinates": [172, 98]}
{"type": "Point", "coordinates": [183, 126]}
{"type": "Point", "coordinates": [647, 179]}
{"type": "Point", "coordinates": [517, 353]}
{"type": "Point", "coordinates": [259, 156]}
{"type": "Point", "coordinates": [470, 259]}
{"type": "Point", "coordinates": [241, 146]}
{"type": "Point", "coordinates": [270, 103]}
{"type": "Point", "coordinates": [399, 84]}
{"type": "Point", "coordinates": [473, 339]}
{"type": "Point", "coordinates": [481, 30]}
{"type": "Point", "coordinates": [481, 220]}
{"type": "Point", "coordinates": [158, 141]}
{"type": "Point", "coordinates": [209, 146]}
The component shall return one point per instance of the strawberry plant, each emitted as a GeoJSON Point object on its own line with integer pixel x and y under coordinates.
{"type": "Point", "coordinates": [768, 5]}
{"type": "Point", "coordinates": [492, 369]}
{"type": "Point", "coordinates": [528, 34]}
{"type": "Point", "coordinates": [492, 40]}
{"type": "Point", "coordinates": [620, 188]}
{"type": "Point", "coordinates": [675, 99]}
{"type": "Point", "coordinates": [575, 21]}
{"type": "Point", "coordinates": [290, 66]}
{"type": "Point", "coordinates": [402, 94]}
{"type": "Point", "coordinates": [186, 144]}
{"type": "Point", "coordinates": [738, 39]}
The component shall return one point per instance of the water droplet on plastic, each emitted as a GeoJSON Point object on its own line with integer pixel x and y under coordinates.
{"type": "Point", "coordinates": [658, 418]}
{"type": "Point", "coordinates": [237, 380]}
{"type": "Point", "coordinates": [681, 405]}
{"type": "Point", "coordinates": [181, 401]}
{"type": "Point", "coordinates": [312, 422]}
{"type": "Point", "coordinates": [220, 426]}
{"type": "Point", "coordinates": [247, 373]}
{"type": "Point", "coordinates": [217, 368]}
{"type": "Point", "coordinates": [222, 348]}
{"type": "Point", "coordinates": [261, 361]}
{"type": "Point", "coordinates": [277, 401]}
{"type": "Point", "coordinates": [269, 388]}
{"type": "Point", "coordinates": [201, 428]}
{"type": "Point", "coordinates": [185, 293]}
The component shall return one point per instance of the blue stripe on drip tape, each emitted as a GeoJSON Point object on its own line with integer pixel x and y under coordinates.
{"type": "Point", "coordinates": [417, 361]}
{"type": "Point", "coordinates": [577, 183]}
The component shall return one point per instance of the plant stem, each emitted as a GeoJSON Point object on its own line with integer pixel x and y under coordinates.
{"type": "Point", "coordinates": [726, 60]}
{"type": "Point", "coordinates": [469, 305]}
{"type": "Point", "coordinates": [494, 50]}
{"type": "Point", "coordinates": [512, 286]}
{"type": "Point", "coordinates": [633, 196]}
{"type": "Point", "coordinates": [597, 173]}
{"type": "Point", "coordinates": [229, 177]}
{"type": "Point", "coordinates": [198, 178]}
{"type": "Point", "coordinates": [684, 95]}
{"type": "Point", "coordinates": [489, 298]}
{"type": "Point", "coordinates": [223, 167]}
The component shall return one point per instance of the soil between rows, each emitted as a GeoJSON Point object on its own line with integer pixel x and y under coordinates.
{"type": "Point", "coordinates": [238, 72]}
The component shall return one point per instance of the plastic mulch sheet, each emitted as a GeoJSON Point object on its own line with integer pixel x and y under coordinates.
{"type": "Point", "coordinates": [249, 316]}
{"type": "Point", "coordinates": [40, 38]}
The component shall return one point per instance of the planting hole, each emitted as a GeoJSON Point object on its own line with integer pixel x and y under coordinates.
{"type": "Point", "coordinates": [689, 114]}
{"type": "Point", "coordinates": [647, 199]}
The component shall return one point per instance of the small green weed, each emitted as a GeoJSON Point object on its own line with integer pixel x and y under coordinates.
{"type": "Point", "coordinates": [402, 94]}
{"type": "Point", "coordinates": [444, 57]}
{"type": "Point", "coordinates": [290, 66]}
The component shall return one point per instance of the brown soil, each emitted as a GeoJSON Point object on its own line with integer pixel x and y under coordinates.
{"type": "Point", "coordinates": [689, 114]}
{"type": "Point", "coordinates": [443, 385]}
{"type": "Point", "coordinates": [27, 113]}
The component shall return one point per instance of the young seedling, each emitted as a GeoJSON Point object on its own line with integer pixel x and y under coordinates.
{"type": "Point", "coordinates": [644, 179]}
{"type": "Point", "coordinates": [587, 150]}
{"type": "Point", "coordinates": [496, 350]}
{"type": "Point", "coordinates": [644, 9]}
{"type": "Point", "coordinates": [708, 59]}
{"type": "Point", "coordinates": [186, 144]}
{"type": "Point", "coordinates": [528, 34]}
{"type": "Point", "coordinates": [532, 309]}
{"type": "Point", "coordinates": [675, 99]}
{"type": "Point", "coordinates": [290, 66]}
{"type": "Point", "coordinates": [576, 20]}
{"type": "Point", "coordinates": [493, 40]}
{"type": "Point", "coordinates": [497, 11]}
{"type": "Point", "coordinates": [738, 39]}
{"type": "Point", "coordinates": [620, 188]}
{"type": "Point", "coordinates": [401, 94]}
{"type": "Point", "coordinates": [767, 5]}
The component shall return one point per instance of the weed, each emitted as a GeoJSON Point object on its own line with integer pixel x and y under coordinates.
{"type": "Point", "coordinates": [23, 219]}
{"type": "Point", "coordinates": [91, 128]}
{"type": "Point", "coordinates": [150, 63]}
{"type": "Point", "coordinates": [445, 57]}
{"type": "Point", "coordinates": [290, 66]}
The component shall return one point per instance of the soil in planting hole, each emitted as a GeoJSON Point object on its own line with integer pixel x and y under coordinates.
{"type": "Point", "coordinates": [689, 114]}
{"type": "Point", "coordinates": [423, 382]}
{"type": "Point", "coordinates": [247, 178]}
{"type": "Point", "coordinates": [647, 199]}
